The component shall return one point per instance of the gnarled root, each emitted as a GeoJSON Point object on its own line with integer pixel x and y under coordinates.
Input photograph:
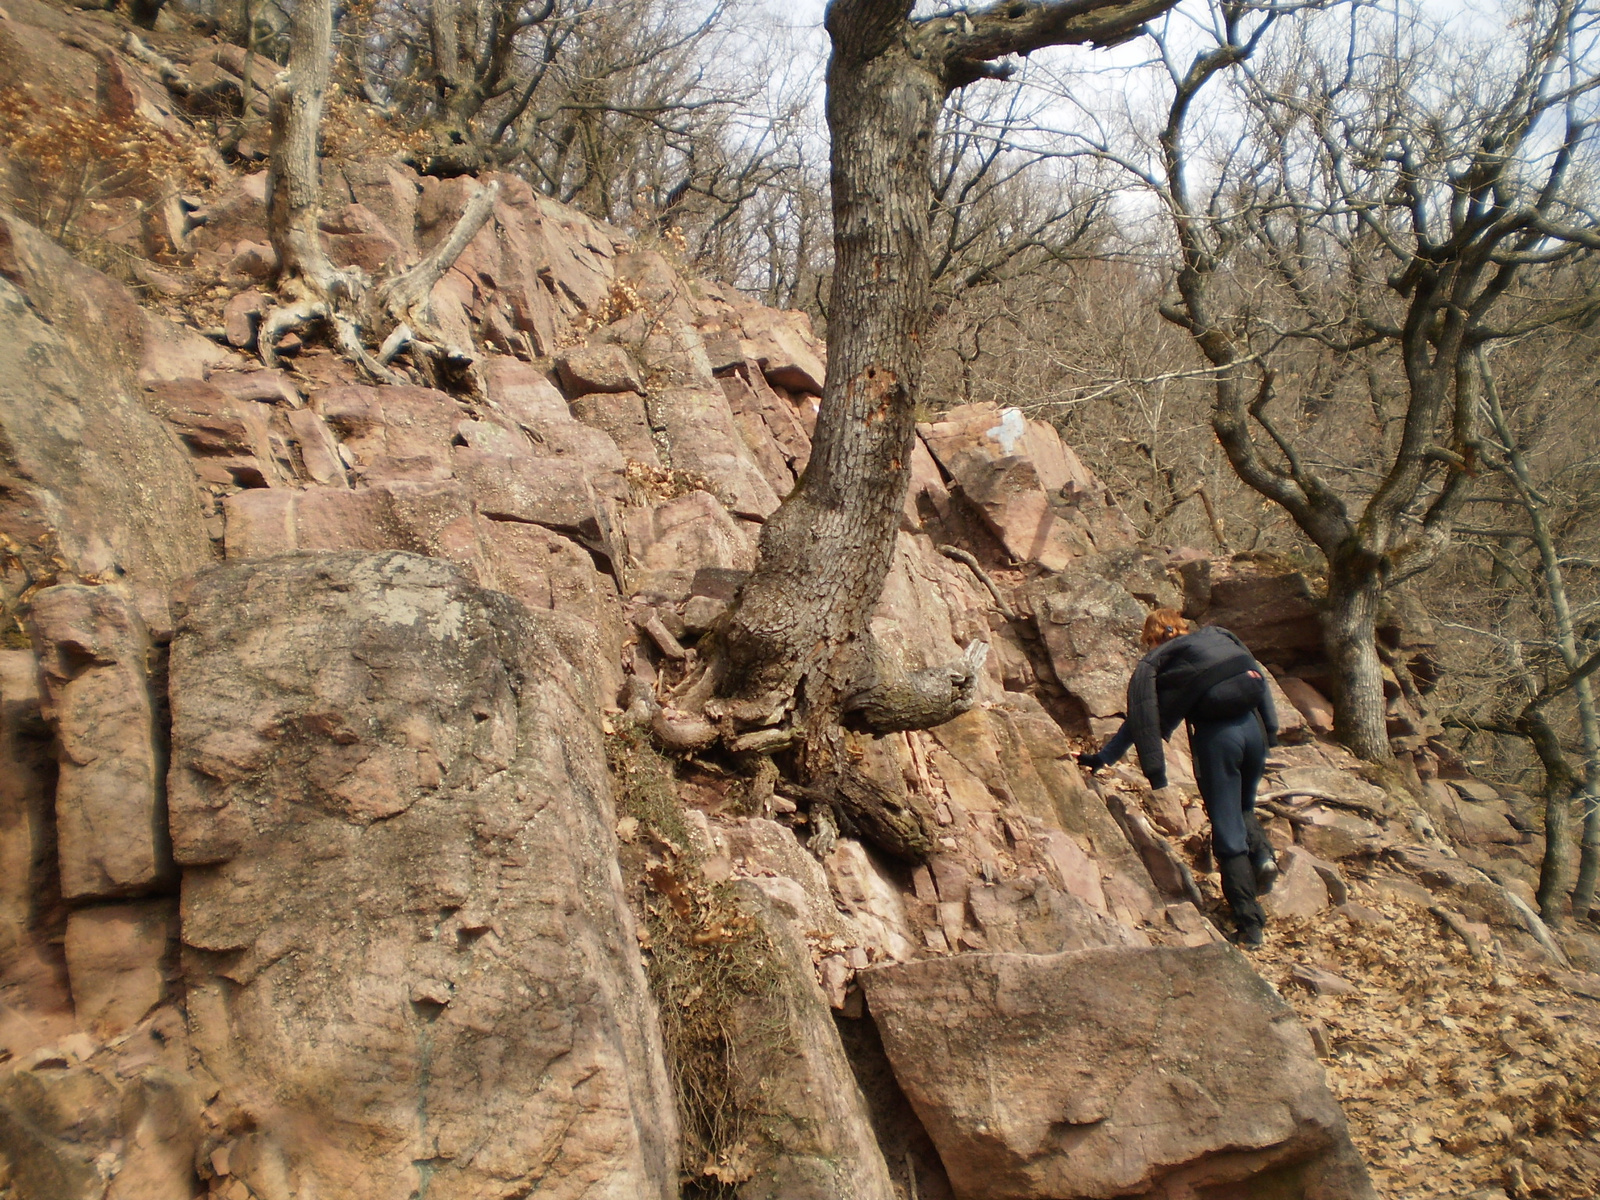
{"type": "Point", "coordinates": [344, 301]}
{"type": "Point", "coordinates": [921, 699]}
{"type": "Point", "coordinates": [896, 822]}
{"type": "Point", "coordinates": [401, 304]}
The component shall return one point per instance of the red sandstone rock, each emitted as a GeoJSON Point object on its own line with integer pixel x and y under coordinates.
{"type": "Point", "coordinates": [621, 416]}
{"type": "Point", "coordinates": [390, 794]}
{"type": "Point", "coordinates": [1020, 477]}
{"type": "Point", "coordinates": [33, 977]}
{"type": "Point", "coordinates": [120, 957]}
{"type": "Point", "coordinates": [599, 368]}
{"type": "Point", "coordinates": [1299, 891]}
{"type": "Point", "coordinates": [1118, 1079]}
{"type": "Point", "coordinates": [94, 655]}
{"type": "Point", "coordinates": [782, 344]}
{"type": "Point", "coordinates": [392, 433]}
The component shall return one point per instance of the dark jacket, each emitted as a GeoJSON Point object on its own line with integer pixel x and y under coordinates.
{"type": "Point", "coordinates": [1174, 683]}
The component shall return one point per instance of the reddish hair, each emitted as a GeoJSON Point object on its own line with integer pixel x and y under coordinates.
{"type": "Point", "coordinates": [1162, 626]}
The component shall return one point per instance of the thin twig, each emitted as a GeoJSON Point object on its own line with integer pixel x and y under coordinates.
{"type": "Point", "coordinates": [963, 556]}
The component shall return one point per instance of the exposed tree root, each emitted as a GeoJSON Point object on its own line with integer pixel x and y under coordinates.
{"type": "Point", "coordinates": [397, 308]}
{"type": "Point", "coordinates": [820, 765]}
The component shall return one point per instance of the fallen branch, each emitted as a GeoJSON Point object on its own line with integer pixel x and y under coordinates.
{"type": "Point", "coordinates": [1317, 794]}
{"type": "Point", "coordinates": [963, 556]}
{"type": "Point", "coordinates": [1457, 926]}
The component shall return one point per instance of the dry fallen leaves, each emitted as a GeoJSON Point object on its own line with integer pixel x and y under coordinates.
{"type": "Point", "coordinates": [1456, 1076]}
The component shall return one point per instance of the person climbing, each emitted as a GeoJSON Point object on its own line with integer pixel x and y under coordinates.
{"type": "Point", "coordinates": [1210, 679]}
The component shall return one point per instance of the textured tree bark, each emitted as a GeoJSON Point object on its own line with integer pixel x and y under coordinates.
{"type": "Point", "coordinates": [799, 626]}
{"type": "Point", "coordinates": [1556, 875]}
{"type": "Point", "coordinates": [1349, 631]}
{"type": "Point", "coordinates": [825, 553]}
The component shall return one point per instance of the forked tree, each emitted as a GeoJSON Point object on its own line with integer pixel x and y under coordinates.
{"type": "Point", "coordinates": [390, 314]}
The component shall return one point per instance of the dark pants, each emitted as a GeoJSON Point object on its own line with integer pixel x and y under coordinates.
{"type": "Point", "coordinates": [1229, 759]}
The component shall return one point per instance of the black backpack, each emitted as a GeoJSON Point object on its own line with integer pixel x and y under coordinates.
{"type": "Point", "coordinates": [1231, 697]}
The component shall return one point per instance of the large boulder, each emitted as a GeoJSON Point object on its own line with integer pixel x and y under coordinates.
{"type": "Point", "coordinates": [699, 428]}
{"type": "Point", "coordinates": [1271, 609]}
{"type": "Point", "coordinates": [791, 1080]}
{"type": "Point", "coordinates": [1113, 1072]}
{"type": "Point", "coordinates": [1090, 626]}
{"type": "Point", "coordinates": [1020, 477]}
{"type": "Point", "coordinates": [409, 964]}
{"type": "Point", "coordinates": [392, 433]}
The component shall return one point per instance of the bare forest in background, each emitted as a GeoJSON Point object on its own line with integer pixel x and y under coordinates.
{"type": "Point", "coordinates": [1314, 281]}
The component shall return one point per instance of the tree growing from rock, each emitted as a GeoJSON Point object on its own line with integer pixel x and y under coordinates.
{"type": "Point", "coordinates": [394, 311]}
{"type": "Point", "coordinates": [798, 653]}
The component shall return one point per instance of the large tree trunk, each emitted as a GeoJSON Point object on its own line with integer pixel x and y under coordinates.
{"type": "Point", "coordinates": [1349, 631]}
{"type": "Point", "coordinates": [294, 187]}
{"type": "Point", "coordinates": [801, 620]}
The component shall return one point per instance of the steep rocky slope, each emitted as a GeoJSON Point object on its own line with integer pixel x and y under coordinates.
{"type": "Point", "coordinates": [340, 865]}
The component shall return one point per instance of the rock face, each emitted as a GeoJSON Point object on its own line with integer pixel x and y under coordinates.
{"type": "Point", "coordinates": [111, 815]}
{"type": "Point", "coordinates": [406, 952]}
{"type": "Point", "coordinates": [92, 478]}
{"type": "Point", "coordinates": [1031, 489]}
{"type": "Point", "coordinates": [1104, 1073]}
{"type": "Point", "coordinates": [793, 1079]}
{"type": "Point", "coordinates": [403, 962]}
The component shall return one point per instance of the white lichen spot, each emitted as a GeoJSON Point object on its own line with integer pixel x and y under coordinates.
{"type": "Point", "coordinates": [1010, 431]}
{"type": "Point", "coordinates": [398, 606]}
{"type": "Point", "coordinates": [449, 621]}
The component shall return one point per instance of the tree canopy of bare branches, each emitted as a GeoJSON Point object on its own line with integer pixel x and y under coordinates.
{"type": "Point", "coordinates": [1355, 201]}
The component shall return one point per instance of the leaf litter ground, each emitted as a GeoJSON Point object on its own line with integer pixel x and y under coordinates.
{"type": "Point", "coordinates": [1458, 1077]}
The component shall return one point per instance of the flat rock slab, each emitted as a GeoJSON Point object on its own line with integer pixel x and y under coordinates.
{"type": "Point", "coordinates": [1118, 1072]}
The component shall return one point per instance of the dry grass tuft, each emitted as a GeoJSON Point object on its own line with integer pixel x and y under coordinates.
{"type": "Point", "coordinates": [66, 162]}
{"type": "Point", "coordinates": [712, 968]}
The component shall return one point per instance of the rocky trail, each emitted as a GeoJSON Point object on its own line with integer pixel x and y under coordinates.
{"type": "Point", "coordinates": [347, 852]}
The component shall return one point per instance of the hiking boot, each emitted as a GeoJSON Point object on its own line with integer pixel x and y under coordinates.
{"type": "Point", "coordinates": [1262, 860]}
{"type": "Point", "coordinates": [1248, 937]}
{"type": "Point", "coordinates": [1266, 876]}
{"type": "Point", "coordinates": [1239, 889]}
